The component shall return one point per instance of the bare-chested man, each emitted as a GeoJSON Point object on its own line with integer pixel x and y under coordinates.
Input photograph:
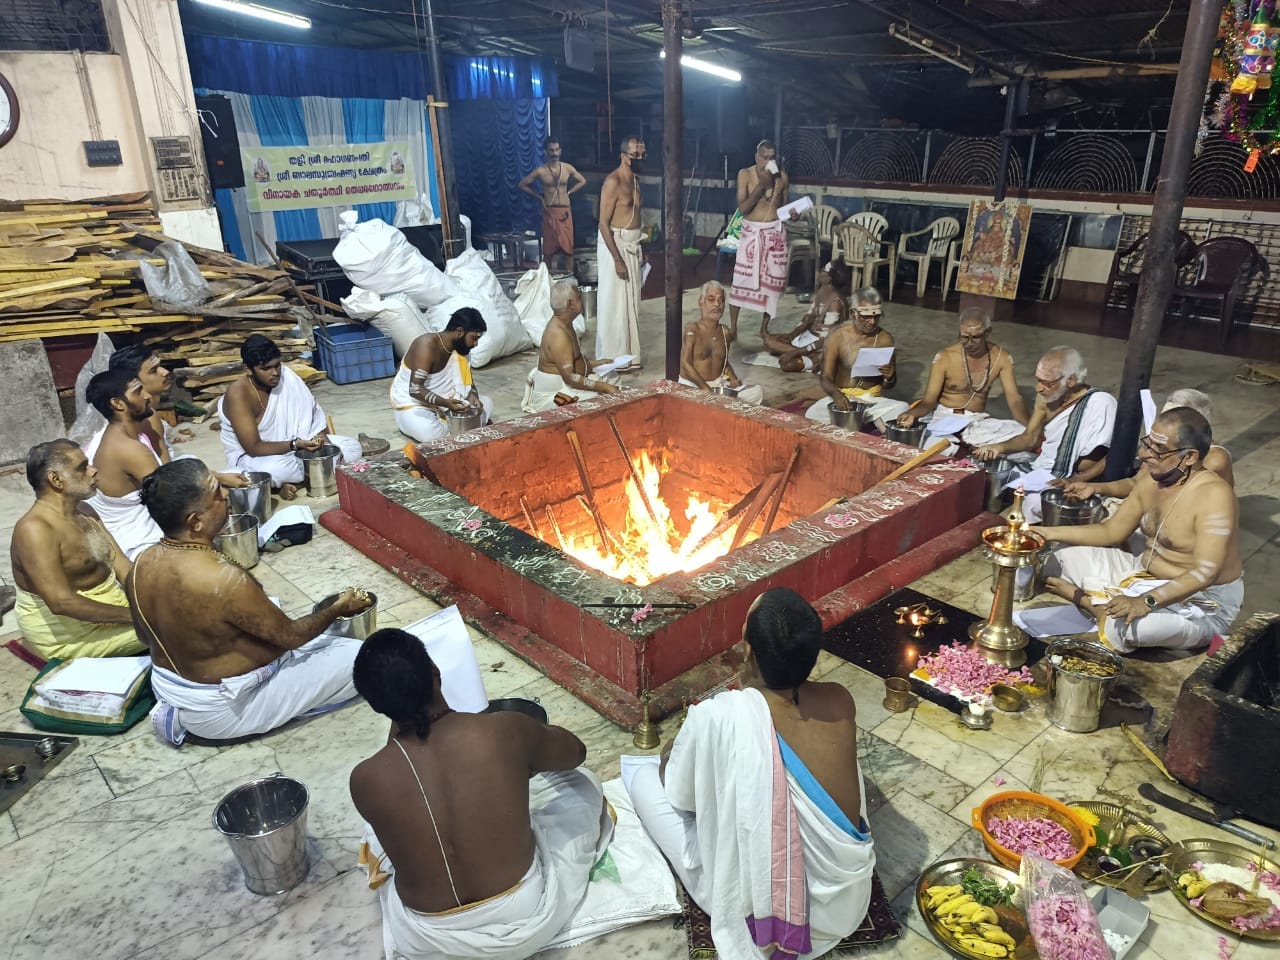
{"type": "Point", "coordinates": [562, 369]}
{"type": "Point", "coordinates": [486, 827]}
{"type": "Point", "coordinates": [801, 349]}
{"type": "Point", "coordinates": [435, 377]}
{"type": "Point", "coordinates": [67, 568]}
{"type": "Point", "coordinates": [620, 260]}
{"type": "Point", "coordinates": [227, 662]}
{"type": "Point", "coordinates": [704, 355]}
{"type": "Point", "coordinates": [963, 374]}
{"type": "Point", "coordinates": [760, 268]}
{"type": "Point", "coordinates": [841, 355]}
{"type": "Point", "coordinates": [124, 458]}
{"type": "Point", "coordinates": [1188, 585]}
{"type": "Point", "coordinates": [558, 185]}
{"type": "Point", "coordinates": [143, 362]}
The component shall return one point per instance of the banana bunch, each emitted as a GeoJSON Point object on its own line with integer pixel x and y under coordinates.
{"type": "Point", "coordinates": [1192, 883]}
{"type": "Point", "coordinates": [971, 925]}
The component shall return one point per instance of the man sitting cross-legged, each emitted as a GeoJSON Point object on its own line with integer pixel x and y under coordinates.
{"type": "Point", "coordinates": [704, 356]}
{"type": "Point", "coordinates": [801, 349]}
{"type": "Point", "coordinates": [1188, 585]}
{"type": "Point", "coordinates": [435, 377]}
{"type": "Point", "coordinates": [562, 369]}
{"type": "Point", "coordinates": [269, 415]}
{"type": "Point", "coordinates": [487, 823]}
{"type": "Point", "coordinates": [67, 568]}
{"type": "Point", "coordinates": [840, 356]}
{"type": "Point", "coordinates": [760, 806]}
{"type": "Point", "coordinates": [227, 661]}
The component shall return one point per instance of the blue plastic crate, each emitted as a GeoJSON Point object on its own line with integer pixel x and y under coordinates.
{"type": "Point", "coordinates": [350, 353]}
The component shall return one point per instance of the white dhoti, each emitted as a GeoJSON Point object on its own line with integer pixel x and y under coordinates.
{"type": "Point", "coordinates": [571, 831]}
{"type": "Point", "coordinates": [1101, 571]}
{"type": "Point", "coordinates": [291, 413]}
{"type": "Point", "coordinates": [125, 518]}
{"type": "Point", "coordinates": [452, 382]}
{"type": "Point", "coordinates": [540, 389]}
{"type": "Point", "coordinates": [880, 409]}
{"type": "Point", "coordinates": [618, 301]}
{"type": "Point", "coordinates": [750, 392]}
{"type": "Point", "coordinates": [749, 833]}
{"type": "Point", "coordinates": [308, 681]}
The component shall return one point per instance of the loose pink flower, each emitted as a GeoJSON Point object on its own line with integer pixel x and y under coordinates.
{"type": "Point", "coordinates": [472, 524]}
{"type": "Point", "coordinates": [998, 780]}
{"type": "Point", "coordinates": [1037, 835]}
{"type": "Point", "coordinates": [642, 613]}
{"type": "Point", "coordinates": [359, 467]}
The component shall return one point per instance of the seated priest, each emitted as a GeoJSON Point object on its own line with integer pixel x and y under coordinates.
{"type": "Point", "coordinates": [760, 806]}
{"type": "Point", "coordinates": [801, 349]}
{"type": "Point", "coordinates": [67, 568]}
{"type": "Point", "coordinates": [143, 362]}
{"type": "Point", "coordinates": [435, 377]}
{"type": "Point", "coordinates": [1070, 427]}
{"type": "Point", "coordinates": [486, 823]}
{"type": "Point", "coordinates": [704, 356]}
{"type": "Point", "coordinates": [269, 415]}
{"type": "Point", "coordinates": [562, 369]}
{"type": "Point", "coordinates": [227, 662]}
{"type": "Point", "coordinates": [840, 356]}
{"type": "Point", "coordinates": [1187, 586]}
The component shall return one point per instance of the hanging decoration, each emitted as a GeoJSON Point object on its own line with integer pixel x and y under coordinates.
{"type": "Point", "coordinates": [1241, 99]}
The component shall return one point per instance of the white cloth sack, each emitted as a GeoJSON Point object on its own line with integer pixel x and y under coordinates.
{"type": "Point", "coordinates": [88, 420]}
{"type": "Point", "coordinates": [478, 287]}
{"type": "Point", "coordinates": [376, 256]}
{"type": "Point", "coordinates": [533, 304]}
{"type": "Point", "coordinates": [394, 316]}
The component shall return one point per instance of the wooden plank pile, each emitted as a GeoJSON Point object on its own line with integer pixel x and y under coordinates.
{"type": "Point", "coordinates": [73, 268]}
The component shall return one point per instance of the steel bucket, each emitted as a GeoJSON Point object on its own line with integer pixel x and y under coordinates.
{"type": "Point", "coordinates": [911, 436]}
{"type": "Point", "coordinates": [588, 295]}
{"type": "Point", "coordinates": [238, 541]}
{"type": "Point", "coordinates": [254, 499]}
{"type": "Point", "coordinates": [584, 267]}
{"type": "Point", "coordinates": [321, 470]}
{"type": "Point", "coordinates": [1058, 511]}
{"type": "Point", "coordinates": [1076, 699]}
{"type": "Point", "coordinates": [462, 422]}
{"type": "Point", "coordinates": [725, 391]}
{"type": "Point", "coordinates": [530, 708]}
{"type": "Point", "coordinates": [851, 419]}
{"type": "Point", "coordinates": [998, 472]}
{"type": "Point", "coordinates": [358, 626]}
{"type": "Point", "coordinates": [265, 824]}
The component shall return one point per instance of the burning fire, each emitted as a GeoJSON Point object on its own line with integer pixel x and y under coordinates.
{"type": "Point", "coordinates": [643, 551]}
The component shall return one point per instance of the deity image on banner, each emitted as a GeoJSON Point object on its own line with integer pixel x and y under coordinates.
{"type": "Point", "coordinates": [994, 241]}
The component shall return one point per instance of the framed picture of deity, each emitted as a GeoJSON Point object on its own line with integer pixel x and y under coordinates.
{"type": "Point", "coordinates": [995, 238]}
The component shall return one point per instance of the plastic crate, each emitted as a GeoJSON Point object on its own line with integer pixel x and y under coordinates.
{"type": "Point", "coordinates": [350, 353]}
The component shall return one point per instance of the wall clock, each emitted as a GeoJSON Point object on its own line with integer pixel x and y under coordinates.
{"type": "Point", "coordinates": [8, 111]}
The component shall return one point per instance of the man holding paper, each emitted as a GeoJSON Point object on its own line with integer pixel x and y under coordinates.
{"type": "Point", "coordinates": [760, 269]}
{"type": "Point", "coordinates": [704, 355]}
{"type": "Point", "coordinates": [1187, 586]}
{"type": "Point", "coordinates": [858, 361]}
{"type": "Point", "coordinates": [562, 370]}
{"type": "Point", "coordinates": [801, 349]}
{"type": "Point", "coordinates": [1071, 426]}
{"type": "Point", "coordinates": [227, 661]}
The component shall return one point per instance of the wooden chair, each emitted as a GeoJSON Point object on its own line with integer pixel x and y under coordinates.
{"type": "Point", "coordinates": [858, 242]}
{"type": "Point", "coordinates": [1223, 268]}
{"type": "Point", "coordinates": [1126, 267]}
{"type": "Point", "coordinates": [941, 233]}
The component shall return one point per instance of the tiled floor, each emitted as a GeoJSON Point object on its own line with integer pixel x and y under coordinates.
{"type": "Point", "coordinates": [114, 856]}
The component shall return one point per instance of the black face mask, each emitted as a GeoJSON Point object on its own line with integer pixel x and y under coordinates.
{"type": "Point", "coordinates": [1170, 477]}
{"type": "Point", "coordinates": [637, 166]}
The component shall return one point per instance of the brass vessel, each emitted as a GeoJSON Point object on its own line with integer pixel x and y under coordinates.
{"type": "Point", "coordinates": [1008, 548]}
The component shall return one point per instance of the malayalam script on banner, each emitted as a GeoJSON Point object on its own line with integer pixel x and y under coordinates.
{"type": "Point", "coordinates": [995, 239]}
{"type": "Point", "coordinates": [294, 178]}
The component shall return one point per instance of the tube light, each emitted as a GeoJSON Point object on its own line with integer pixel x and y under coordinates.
{"type": "Point", "coordinates": [693, 63]}
{"type": "Point", "coordinates": [261, 12]}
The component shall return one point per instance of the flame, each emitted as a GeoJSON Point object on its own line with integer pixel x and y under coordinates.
{"type": "Point", "coordinates": [644, 551]}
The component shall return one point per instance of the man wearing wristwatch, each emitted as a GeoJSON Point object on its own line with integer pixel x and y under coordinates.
{"type": "Point", "coordinates": [1188, 585]}
{"type": "Point", "coordinates": [435, 379]}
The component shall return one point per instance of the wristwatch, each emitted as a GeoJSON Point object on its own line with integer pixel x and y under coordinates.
{"type": "Point", "coordinates": [1150, 600]}
{"type": "Point", "coordinates": [293, 444]}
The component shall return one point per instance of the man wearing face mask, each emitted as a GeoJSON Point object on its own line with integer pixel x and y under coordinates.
{"type": "Point", "coordinates": [621, 264]}
{"type": "Point", "coordinates": [760, 268]}
{"type": "Point", "coordinates": [1187, 586]}
{"type": "Point", "coordinates": [840, 357]}
{"type": "Point", "coordinates": [1070, 427]}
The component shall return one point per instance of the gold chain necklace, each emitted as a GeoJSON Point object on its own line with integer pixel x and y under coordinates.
{"type": "Point", "coordinates": [186, 545]}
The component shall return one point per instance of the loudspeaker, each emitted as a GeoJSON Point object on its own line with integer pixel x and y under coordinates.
{"type": "Point", "coordinates": [221, 142]}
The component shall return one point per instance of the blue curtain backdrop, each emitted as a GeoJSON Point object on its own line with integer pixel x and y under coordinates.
{"type": "Point", "coordinates": [499, 78]}
{"type": "Point", "coordinates": [495, 143]}
{"type": "Point", "coordinates": [280, 124]}
{"type": "Point", "coordinates": [364, 121]}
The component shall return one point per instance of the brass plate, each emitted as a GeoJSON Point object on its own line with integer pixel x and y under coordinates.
{"type": "Point", "coordinates": [1108, 815]}
{"type": "Point", "coordinates": [947, 873]}
{"type": "Point", "coordinates": [1187, 852]}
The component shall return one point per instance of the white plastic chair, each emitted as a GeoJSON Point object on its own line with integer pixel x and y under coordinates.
{"type": "Point", "coordinates": [858, 243]}
{"type": "Point", "coordinates": [941, 247]}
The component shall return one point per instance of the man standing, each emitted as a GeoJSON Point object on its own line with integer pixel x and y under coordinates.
{"type": "Point", "coordinates": [761, 806]}
{"type": "Point", "coordinates": [269, 415]}
{"type": "Point", "coordinates": [561, 365]}
{"type": "Point", "coordinates": [1071, 425]}
{"type": "Point", "coordinates": [434, 377]}
{"type": "Point", "coordinates": [227, 662]}
{"type": "Point", "coordinates": [704, 356]}
{"type": "Point", "coordinates": [487, 823]}
{"type": "Point", "coordinates": [557, 179]}
{"type": "Point", "coordinates": [760, 270]}
{"type": "Point", "coordinates": [1188, 585]}
{"type": "Point", "coordinates": [619, 259]}
{"type": "Point", "coordinates": [840, 357]}
{"type": "Point", "coordinates": [67, 568]}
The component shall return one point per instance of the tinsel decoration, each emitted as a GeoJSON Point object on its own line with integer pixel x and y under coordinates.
{"type": "Point", "coordinates": [1245, 57]}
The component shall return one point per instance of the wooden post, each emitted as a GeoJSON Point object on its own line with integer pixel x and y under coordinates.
{"type": "Point", "coordinates": [442, 136]}
{"type": "Point", "coordinates": [1158, 274]}
{"type": "Point", "coordinates": [672, 179]}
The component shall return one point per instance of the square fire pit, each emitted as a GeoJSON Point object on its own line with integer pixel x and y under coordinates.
{"type": "Point", "coordinates": [494, 505]}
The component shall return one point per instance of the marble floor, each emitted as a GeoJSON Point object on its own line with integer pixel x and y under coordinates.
{"type": "Point", "coordinates": [114, 855]}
